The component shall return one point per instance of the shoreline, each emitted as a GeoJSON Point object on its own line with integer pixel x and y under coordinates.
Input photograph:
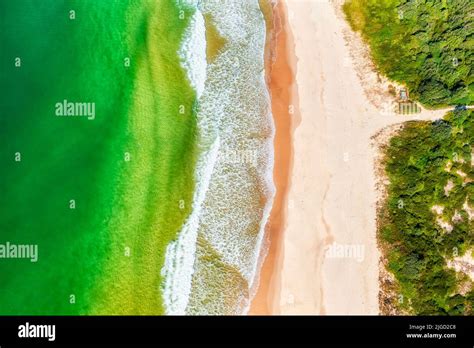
{"type": "Point", "coordinates": [333, 188]}
{"type": "Point", "coordinates": [280, 67]}
{"type": "Point", "coordinates": [333, 179]}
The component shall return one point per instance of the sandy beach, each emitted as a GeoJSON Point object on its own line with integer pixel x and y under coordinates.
{"type": "Point", "coordinates": [323, 256]}
{"type": "Point", "coordinates": [332, 197]}
{"type": "Point", "coordinates": [280, 74]}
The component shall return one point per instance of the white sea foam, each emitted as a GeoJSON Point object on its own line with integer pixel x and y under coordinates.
{"type": "Point", "coordinates": [193, 52]}
{"type": "Point", "coordinates": [236, 101]}
{"type": "Point", "coordinates": [233, 117]}
{"type": "Point", "coordinates": [180, 254]}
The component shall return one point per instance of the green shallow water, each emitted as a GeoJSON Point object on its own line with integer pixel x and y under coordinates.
{"type": "Point", "coordinates": [109, 250]}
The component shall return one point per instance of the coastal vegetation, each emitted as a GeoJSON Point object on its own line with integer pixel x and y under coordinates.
{"type": "Point", "coordinates": [427, 219]}
{"type": "Point", "coordinates": [425, 224]}
{"type": "Point", "coordinates": [426, 45]}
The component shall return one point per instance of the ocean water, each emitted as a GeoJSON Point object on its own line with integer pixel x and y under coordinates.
{"type": "Point", "coordinates": [158, 203]}
{"type": "Point", "coordinates": [212, 266]}
{"type": "Point", "coordinates": [129, 171]}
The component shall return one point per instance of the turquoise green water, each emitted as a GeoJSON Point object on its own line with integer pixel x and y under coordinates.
{"type": "Point", "coordinates": [109, 250]}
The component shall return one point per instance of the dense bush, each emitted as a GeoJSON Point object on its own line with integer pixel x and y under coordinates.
{"type": "Point", "coordinates": [417, 246]}
{"type": "Point", "coordinates": [426, 44]}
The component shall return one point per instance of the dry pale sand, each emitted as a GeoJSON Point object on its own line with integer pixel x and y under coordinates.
{"type": "Point", "coordinates": [329, 259]}
{"type": "Point", "coordinates": [332, 197]}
